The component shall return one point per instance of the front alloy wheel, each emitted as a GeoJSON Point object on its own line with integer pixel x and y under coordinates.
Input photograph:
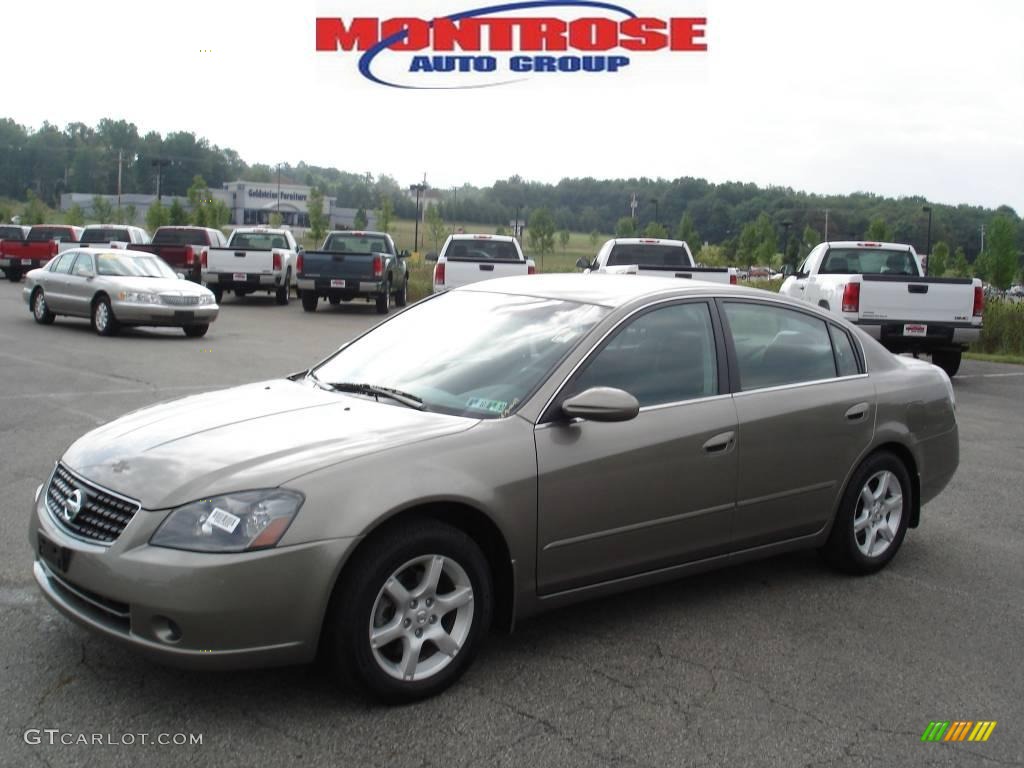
{"type": "Point", "coordinates": [103, 320]}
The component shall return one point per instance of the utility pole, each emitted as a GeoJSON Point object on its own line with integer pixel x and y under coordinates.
{"type": "Point", "coordinates": [982, 240]}
{"type": "Point", "coordinates": [160, 164]}
{"type": "Point", "coordinates": [120, 153]}
{"type": "Point", "coordinates": [279, 190]}
{"type": "Point", "coordinates": [826, 225]}
{"type": "Point", "coordinates": [418, 189]}
{"type": "Point", "coordinates": [632, 207]}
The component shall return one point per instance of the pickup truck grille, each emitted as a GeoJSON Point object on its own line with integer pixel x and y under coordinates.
{"type": "Point", "coordinates": [102, 515]}
{"type": "Point", "coordinates": [180, 301]}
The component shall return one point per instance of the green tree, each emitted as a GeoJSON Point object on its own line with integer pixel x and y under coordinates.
{"type": "Point", "coordinates": [386, 214]}
{"type": "Point", "coordinates": [501, 231]}
{"type": "Point", "coordinates": [625, 227]}
{"type": "Point", "coordinates": [276, 219]}
{"type": "Point", "coordinates": [35, 211]}
{"type": "Point", "coordinates": [217, 214]}
{"type": "Point", "coordinates": [435, 226]}
{"type": "Point", "coordinates": [879, 231]}
{"type": "Point", "coordinates": [938, 260]}
{"type": "Point", "coordinates": [359, 221]}
{"type": "Point", "coordinates": [656, 230]}
{"type": "Point", "coordinates": [199, 200]}
{"type": "Point", "coordinates": [541, 232]}
{"type": "Point", "coordinates": [713, 256]}
{"type": "Point", "coordinates": [102, 210]}
{"type": "Point", "coordinates": [960, 266]}
{"type": "Point", "coordinates": [130, 214]}
{"type": "Point", "coordinates": [157, 216]}
{"type": "Point", "coordinates": [810, 238]}
{"type": "Point", "coordinates": [317, 218]}
{"type": "Point", "coordinates": [74, 216]}
{"type": "Point", "coordinates": [748, 243]}
{"type": "Point", "coordinates": [1001, 249]}
{"type": "Point", "coordinates": [177, 215]}
{"type": "Point", "coordinates": [687, 232]}
{"type": "Point", "coordinates": [594, 237]}
{"type": "Point", "coordinates": [563, 239]}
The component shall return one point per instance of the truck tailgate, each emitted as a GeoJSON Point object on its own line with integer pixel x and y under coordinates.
{"type": "Point", "coordinates": [922, 299]}
{"type": "Point", "coordinates": [231, 261]}
{"type": "Point", "coordinates": [338, 266]}
{"type": "Point", "coordinates": [465, 271]}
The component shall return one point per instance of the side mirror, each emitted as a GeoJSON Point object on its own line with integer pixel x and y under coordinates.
{"type": "Point", "coordinates": [404, 254]}
{"type": "Point", "coordinates": [787, 270]}
{"type": "Point", "coordinates": [582, 263]}
{"type": "Point", "coordinates": [299, 249]}
{"type": "Point", "coordinates": [602, 404]}
{"type": "Point", "coordinates": [431, 257]}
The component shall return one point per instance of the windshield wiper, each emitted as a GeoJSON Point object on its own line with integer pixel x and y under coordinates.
{"type": "Point", "coordinates": [405, 398]}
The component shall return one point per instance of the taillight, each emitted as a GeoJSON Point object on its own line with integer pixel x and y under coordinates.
{"type": "Point", "coordinates": [277, 262]}
{"type": "Point", "coordinates": [202, 259]}
{"type": "Point", "coordinates": [531, 269]}
{"type": "Point", "coordinates": [979, 301]}
{"type": "Point", "coordinates": [190, 255]}
{"type": "Point", "coordinates": [378, 266]}
{"type": "Point", "coordinates": [851, 297]}
{"type": "Point", "coordinates": [439, 273]}
{"type": "Point", "coordinates": [54, 247]}
{"type": "Point", "coordinates": [732, 279]}
{"type": "Point", "coordinates": [299, 264]}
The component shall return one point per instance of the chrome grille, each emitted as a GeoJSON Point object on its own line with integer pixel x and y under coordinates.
{"type": "Point", "coordinates": [103, 515]}
{"type": "Point", "coordinates": [180, 301]}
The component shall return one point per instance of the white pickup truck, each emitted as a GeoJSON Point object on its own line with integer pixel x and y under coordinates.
{"type": "Point", "coordinates": [656, 258]}
{"type": "Point", "coordinates": [466, 259]}
{"type": "Point", "coordinates": [255, 259]}
{"type": "Point", "coordinates": [882, 288]}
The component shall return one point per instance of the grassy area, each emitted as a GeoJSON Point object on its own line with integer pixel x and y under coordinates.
{"type": "Point", "coordinates": [1003, 333]}
{"type": "Point", "coordinates": [986, 358]}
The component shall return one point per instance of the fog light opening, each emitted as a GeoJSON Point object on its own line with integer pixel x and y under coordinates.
{"type": "Point", "coordinates": [166, 629]}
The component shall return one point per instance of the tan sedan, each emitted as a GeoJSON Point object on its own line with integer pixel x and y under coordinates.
{"type": "Point", "coordinates": [495, 451]}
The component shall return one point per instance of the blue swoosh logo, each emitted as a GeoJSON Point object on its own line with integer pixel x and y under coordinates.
{"type": "Point", "coordinates": [367, 58]}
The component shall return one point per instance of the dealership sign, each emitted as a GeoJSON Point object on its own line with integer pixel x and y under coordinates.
{"type": "Point", "coordinates": [502, 44]}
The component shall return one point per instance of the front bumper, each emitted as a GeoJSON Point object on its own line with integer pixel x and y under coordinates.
{"type": "Point", "coordinates": [164, 315]}
{"type": "Point", "coordinates": [191, 609]}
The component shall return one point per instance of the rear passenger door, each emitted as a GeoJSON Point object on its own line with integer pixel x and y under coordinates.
{"type": "Point", "coordinates": [805, 410]}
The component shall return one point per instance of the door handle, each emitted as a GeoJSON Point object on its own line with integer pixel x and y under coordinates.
{"type": "Point", "coordinates": [719, 443]}
{"type": "Point", "coordinates": [857, 412]}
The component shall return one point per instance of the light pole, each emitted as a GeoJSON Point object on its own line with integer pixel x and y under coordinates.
{"type": "Point", "coordinates": [928, 209]}
{"type": "Point", "coordinates": [655, 201]}
{"type": "Point", "coordinates": [419, 189]}
{"type": "Point", "coordinates": [785, 241]}
{"type": "Point", "coordinates": [160, 164]}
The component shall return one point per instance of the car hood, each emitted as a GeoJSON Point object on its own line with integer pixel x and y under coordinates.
{"type": "Point", "coordinates": [170, 285]}
{"type": "Point", "coordinates": [255, 436]}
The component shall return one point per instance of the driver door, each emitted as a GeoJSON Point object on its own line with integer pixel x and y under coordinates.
{"type": "Point", "coordinates": [80, 285]}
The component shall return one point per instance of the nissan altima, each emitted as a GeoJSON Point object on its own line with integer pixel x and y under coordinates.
{"type": "Point", "coordinates": [492, 452]}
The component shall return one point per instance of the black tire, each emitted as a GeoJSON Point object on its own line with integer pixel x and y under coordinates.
{"type": "Point", "coordinates": [334, 300]}
{"type": "Point", "coordinates": [949, 361]}
{"type": "Point", "coordinates": [14, 275]}
{"type": "Point", "coordinates": [402, 295]}
{"type": "Point", "coordinates": [844, 549]}
{"type": "Point", "coordinates": [384, 300]}
{"type": "Point", "coordinates": [40, 311]}
{"type": "Point", "coordinates": [351, 614]}
{"type": "Point", "coordinates": [196, 331]}
{"type": "Point", "coordinates": [218, 293]}
{"type": "Point", "coordinates": [309, 301]}
{"type": "Point", "coordinates": [283, 293]}
{"type": "Point", "coordinates": [298, 291]}
{"type": "Point", "coordinates": [103, 320]}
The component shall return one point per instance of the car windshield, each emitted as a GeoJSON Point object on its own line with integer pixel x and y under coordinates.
{"type": "Point", "coordinates": [467, 353]}
{"type": "Point", "coordinates": [864, 261]}
{"type": "Point", "coordinates": [11, 233]}
{"type": "Point", "coordinates": [481, 250]}
{"type": "Point", "coordinates": [127, 265]}
{"type": "Point", "coordinates": [180, 237]}
{"type": "Point", "coordinates": [648, 255]}
{"type": "Point", "coordinates": [40, 234]}
{"type": "Point", "coordinates": [258, 241]}
{"type": "Point", "coordinates": [356, 243]}
{"type": "Point", "coordinates": [105, 235]}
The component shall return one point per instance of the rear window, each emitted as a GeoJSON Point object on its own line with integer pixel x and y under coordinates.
{"type": "Point", "coordinates": [180, 237]}
{"type": "Point", "coordinates": [11, 233]}
{"type": "Point", "coordinates": [648, 255]}
{"type": "Point", "coordinates": [864, 261]}
{"type": "Point", "coordinates": [39, 234]}
{"type": "Point", "coordinates": [344, 243]}
{"type": "Point", "coordinates": [106, 235]}
{"type": "Point", "coordinates": [481, 250]}
{"type": "Point", "coordinates": [258, 241]}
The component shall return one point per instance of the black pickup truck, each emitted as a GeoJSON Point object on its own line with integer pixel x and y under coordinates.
{"type": "Point", "coordinates": [354, 265]}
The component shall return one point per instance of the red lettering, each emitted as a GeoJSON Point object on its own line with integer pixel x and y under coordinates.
{"type": "Point", "coordinates": [448, 34]}
{"type": "Point", "coordinates": [541, 34]}
{"type": "Point", "coordinates": [499, 34]}
{"type": "Point", "coordinates": [332, 35]}
{"type": "Point", "coordinates": [688, 34]}
{"type": "Point", "coordinates": [644, 33]}
{"type": "Point", "coordinates": [593, 34]}
{"type": "Point", "coordinates": [418, 36]}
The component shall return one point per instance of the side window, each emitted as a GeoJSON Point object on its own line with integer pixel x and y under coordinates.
{"type": "Point", "coordinates": [62, 263]}
{"type": "Point", "coordinates": [663, 356]}
{"type": "Point", "coordinates": [83, 265]}
{"type": "Point", "coordinates": [777, 346]}
{"type": "Point", "coordinates": [846, 358]}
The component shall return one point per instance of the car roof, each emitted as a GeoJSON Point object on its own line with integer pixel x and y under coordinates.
{"type": "Point", "coordinates": [605, 289]}
{"type": "Point", "coordinates": [867, 244]}
{"type": "Point", "coordinates": [645, 241]}
{"type": "Point", "coordinates": [481, 236]}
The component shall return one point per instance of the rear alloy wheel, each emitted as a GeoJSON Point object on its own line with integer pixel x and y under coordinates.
{"type": "Point", "coordinates": [40, 311]}
{"type": "Point", "coordinates": [948, 361]}
{"type": "Point", "coordinates": [283, 293]}
{"type": "Point", "coordinates": [384, 300]}
{"type": "Point", "coordinates": [412, 612]}
{"type": "Point", "coordinates": [196, 331]}
{"type": "Point", "coordinates": [309, 300]}
{"type": "Point", "coordinates": [103, 320]}
{"type": "Point", "coordinates": [402, 296]}
{"type": "Point", "coordinates": [873, 516]}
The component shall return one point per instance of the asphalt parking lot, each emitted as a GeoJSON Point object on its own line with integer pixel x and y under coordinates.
{"type": "Point", "coordinates": [780, 662]}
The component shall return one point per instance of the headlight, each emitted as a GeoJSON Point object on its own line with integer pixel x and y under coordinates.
{"type": "Point", "coordinates": [235, 522]}
{"type": "Point", "coordinates": [206, 299]}
{"type": "Point", "coordinates": [138, 297]}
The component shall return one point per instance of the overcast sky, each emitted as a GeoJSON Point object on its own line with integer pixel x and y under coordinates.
{"type": "Point", "coordinates": [901, 97]}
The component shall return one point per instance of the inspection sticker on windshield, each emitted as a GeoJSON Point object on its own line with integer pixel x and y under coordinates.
{"type": "Point", "coordinates": [224, 520]}
{"type": "Point", "coordinates": [481, 404]}
{"type": "Point", "coordinates": [914, 329]}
